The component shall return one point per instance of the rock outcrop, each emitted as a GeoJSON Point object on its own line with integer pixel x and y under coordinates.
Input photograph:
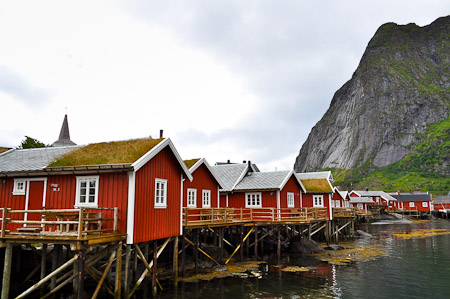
{"type": "Point", "coordinates": [401, 85]}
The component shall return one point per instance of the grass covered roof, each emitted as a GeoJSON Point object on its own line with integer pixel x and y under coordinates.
{"type": "Point", "coordinates": [3, 149]}
{"type": "Point", "coordinates": [317, 185]}
{"type": "Point", "coordinates": [115, 152]}
{"type": "Point", "coordinates": [191, 162]}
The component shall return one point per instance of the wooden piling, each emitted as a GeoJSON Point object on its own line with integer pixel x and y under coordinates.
{"type": "Point", "coordinates": [127, 271]}
{"type": "Point", "coordinates": [241, 239]}
{"type": "Point", "coordinates": [118, 282]}
{"type": "Point", "coordinates": [196, 250]}
{"type": "Point", "coordinates": [279, 245]}
{"type": "Point", "coordinates": [81, 259]}
{"type": "Point", "coordinates": [175, 262]}
{"type": "Point", "coordinates": [183, 255]}
{"type": "Point", "coordinates": [220, 240]}
{"type": "Point", "coordinates": [7, 270]}
{"type": "Point", "coordinates": [155, 268]}
{"type": "Point", "coordinates": [256, 242]}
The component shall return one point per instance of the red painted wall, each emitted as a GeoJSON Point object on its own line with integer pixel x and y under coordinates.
{"type": "Point", "coordinates": [151, 223]}
{"type": "Point", "coordinates": [292, 186]}
{"type": "Point", "coordinates": [8, 200]}
{"type": "Point", "coordinates": [203, 180]}
{"type": "Point", "coordinates": [307, 201]}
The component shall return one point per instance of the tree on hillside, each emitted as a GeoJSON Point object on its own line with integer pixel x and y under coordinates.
{"type": "Point", "coordinates": [30, 142]}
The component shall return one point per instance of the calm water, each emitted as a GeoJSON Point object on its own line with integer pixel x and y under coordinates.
{"type": "Point", "coordinates": [414, 268]}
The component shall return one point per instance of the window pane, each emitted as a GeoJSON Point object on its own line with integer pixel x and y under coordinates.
{"type": "Point", "coordinates": [91, 198]}
{"type": "Point", "coordinates": [92, 184]}
{"type": "Point", "coordinates": [83, 198]}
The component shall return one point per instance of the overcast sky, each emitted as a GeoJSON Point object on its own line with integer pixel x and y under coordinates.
{"type": "Point", "coordinates": [238, 80]}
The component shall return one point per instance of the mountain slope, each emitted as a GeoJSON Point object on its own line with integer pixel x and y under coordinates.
{"type": "Point", "coordinates": [401, 85]}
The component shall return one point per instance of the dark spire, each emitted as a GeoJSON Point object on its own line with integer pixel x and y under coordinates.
{"type": "Point", "coordinates": [64, 135]}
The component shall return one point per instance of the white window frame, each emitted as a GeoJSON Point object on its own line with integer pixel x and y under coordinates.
{"type": "Point", "coordinates": [19, 186]}
{"type": "Point", "coordinates": [424, 204]}
{"type": "Point", "coordinates": [191, 198]}
{"type": "Point", "coordinates": [160, 201]}
{"type": "Point", "coordinates": [290, 200]}
{"type": "Point", "coordinates": [337, 203]}
{"type": "Point", "coordinates": [206, 198]}
{"type": "Point", "coordinates": [258, 200]}
{"type": "Point", "coordinates": [411, 204]}
{"type": "Point", "coordinates": [318, 201]}
{"type": "Point", "coordinates": [86, 179]}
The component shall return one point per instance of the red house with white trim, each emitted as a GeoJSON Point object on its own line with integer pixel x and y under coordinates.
{"type": "Point", "coordinates": [318, 190]}
{"type": "Point", "coordinates": [143, 178]}
{"type": "Point", "coordinates": [421, 202]}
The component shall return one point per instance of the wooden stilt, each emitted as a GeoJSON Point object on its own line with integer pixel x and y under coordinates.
{"type": "Point", "coordinates": [279, 245]}
{"type": "Point", "coordinates": [337, 233]}
{"type": "Point", "coordinates": [241, 240]}
{"type": "Point", "coordinates": [55, 260]}
{"type": "Point", "coordinates": [175, 262]}
{"type": "Point", "coordinates": [81, 259]}
{"type": "Point", "coordinates": [75, 280]}
{"type": "Point", "coordinates": [135, 262]}
{"type": "Point", "coordinates": [155, 268]}
{"type": "Point", "coordinates": [105, 273]}
{"type": "Point", "coordinates": [256, 242]}
{"type": "Point", "coordinates": [44, 265]}
{"type": "Point", "coordinates": [183, 255]}
{"type": "Point", "coordinates": [196, 250]}
{"type": "Point", "coordinates": [127, 271]}
{"type": "Point", "coordinates": [309, 231]}
{"type": "Point", "coordinates": [118, 284]}
{"type": "Point", "coordinates": [220, 240]}
{"type": "Point", "coordinates": [7, 271]}
{"type": "Point", "coordinates": [239, 246]}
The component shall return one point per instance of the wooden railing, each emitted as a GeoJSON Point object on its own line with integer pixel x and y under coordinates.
{"type": "Point", "coordinates": [77, 223]}
{"type": "Point", "coordinates": [207, 216]}
{"type": "Point", "coordinates": [343, 212]}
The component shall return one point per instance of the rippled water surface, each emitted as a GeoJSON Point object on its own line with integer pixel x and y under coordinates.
{"type": "Point", "coordinates": [411, 268]}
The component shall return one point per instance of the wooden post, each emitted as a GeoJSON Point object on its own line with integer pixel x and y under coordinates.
{"type": "Point", "coordinates": [135, 261]}
{"type": "Point", "coordinates": [81, 259]}
{"type": "Point", "coordinates": [155, 268]}
{"type": "Point", "coordinates": [196, 250]}
{"type": "Point", "coordinates": [241, 237]}
{"type": "Point", "coordinates": [309, 231]}
{"type": "Point", "coordinates": [183, 255]}
{"type": "Point", "coordinates": [118, 286]}
{"type": "Point", "coordinates": [75, 280]}
{"type": "Point", "coordinates": [175, 262]}
{"type": "Point", "coordinates": [221, 245]}
{"type": "Point", "coordinates": [279, 245]}
{"type": "Point", "coordinates": [55, 259]}
{"type": "Point", "coordinates": [337, 234]}
{"type": "Point", "coordinates": [7, 270]}
{"type": "Point", "coordinates": [127, 271]}
{"type": "Point", "coordinates": [256, 242]}
{"type": "Point", "coordinates": [43, 262]}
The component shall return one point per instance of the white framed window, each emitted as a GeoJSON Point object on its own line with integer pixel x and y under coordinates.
{"type": "Point", "coordinates": [206, 198]}
{"type": "Point", "coordinates": [425, 204]}
{"type": "Point", "coordinates": [360, 206]}
{"type": "Point", "coordinates": [19, 187]}
{"type": "Point", "coordinates": [87, 191]}
{"type": "Point", "coordinates": [411, 204]}
{"type": "Point", "coordinates": [290, 200]}
{"type": "Point", "coordinates": [253, 200]}
{"type": "Point", "coordinates": [337, 203]}
{"type": "Point", "coordinates": [192, 198]}
{"type": "Point", "coordinates": [318, 201]}
{"type": "Point", "coordinates": [160, 193]}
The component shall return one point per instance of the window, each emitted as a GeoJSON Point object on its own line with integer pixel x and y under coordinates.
{"type": "Point", "coordinates": [318, 201]}
{"type": "Point", "coordinates": [192, 198]}
{"type": "Point", "coordinates": [160, 193]}
{"type": "Point", "coordinates": [338, 204]}
{"type": "Point", "coordinates": [253, 200]}
{"type": "Point", "coordinates": [411, 204]}
{"type": "Point", "coordinates": [425, 204]}
{"type": "Point", "coordinates": [360, 206]}
{"type": "Point", "coordinates": [290, 200]}
{"type": "Point", "coordinates": [87, 191]}
{"type": "Point", "coordinates": [19, 187]}
{"type": "Point", "coordinates": [206, 198]}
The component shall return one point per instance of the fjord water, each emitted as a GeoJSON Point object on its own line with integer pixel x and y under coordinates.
{"type": "Point", "coordinates": [409, 268]}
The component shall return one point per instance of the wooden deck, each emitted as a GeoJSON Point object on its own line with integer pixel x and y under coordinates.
{"type": "Point", "coordinates": [77, 227]}
{"type": "Point", "coordinates": [196, 218]}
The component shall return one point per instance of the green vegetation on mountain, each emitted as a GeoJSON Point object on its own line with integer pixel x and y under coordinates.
{"type": "Point", "coordinates": [426, 167]}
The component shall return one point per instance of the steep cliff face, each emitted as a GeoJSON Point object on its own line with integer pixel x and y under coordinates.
{"type": "Point", "coordinates": [401, 85]}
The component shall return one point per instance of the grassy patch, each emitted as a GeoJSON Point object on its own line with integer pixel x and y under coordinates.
{"type": "Point", "coordinates": [115, 152]}
{"type": "Point", "coordinates": [316, 185]}
{"type": "Point", "coordinates": [190, 163]}
{"type": "Point", "coordinates": [3, 149]}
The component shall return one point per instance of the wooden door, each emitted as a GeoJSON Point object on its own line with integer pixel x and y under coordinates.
{"type": "Point", "coordinates": [35, 199]}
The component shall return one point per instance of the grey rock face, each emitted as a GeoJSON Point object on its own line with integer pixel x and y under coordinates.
{"type": "Point", "coordinates": [401, 85]}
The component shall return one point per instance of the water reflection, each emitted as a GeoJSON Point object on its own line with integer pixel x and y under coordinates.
{"type": "Point", "coordinates": [411, 268]}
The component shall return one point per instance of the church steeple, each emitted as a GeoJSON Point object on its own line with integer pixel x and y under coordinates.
{"type": "Point", "coordinates": [64, 135]}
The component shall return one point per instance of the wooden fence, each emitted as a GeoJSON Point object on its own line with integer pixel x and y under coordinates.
{"type": "Point", "coordinates": [210, 216]}
{"type": "Point", "coordinates": [77, 223]}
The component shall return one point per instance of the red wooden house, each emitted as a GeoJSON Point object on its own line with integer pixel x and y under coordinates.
{"type": "Point", "coordinates": [318, 190]}
{"type": "Point", "coordinates": [361, 203]}
{"type": "Point", "coordinates": [441, 203]}
{"type": "Point", "coordinates": [143, 178]}
{"type": "Point", "coordinates": [203, 191]}
{"type": "Point", "coordinates": [269, 194]}
{"type": "Point", "coordinates": [421, 202]}
{"type": "Point", "coordinates": [380, 198]}
{"type": "Point", "coordinates": [338, 199]}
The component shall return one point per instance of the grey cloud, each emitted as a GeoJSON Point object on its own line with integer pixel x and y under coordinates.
{"type": "Point", "coordinates": [21, 89]}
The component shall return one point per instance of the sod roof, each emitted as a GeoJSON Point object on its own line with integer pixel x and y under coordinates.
{"type": "Point", "coordinates": [317, 185]}
{"type": "Point", "coordinates": [191, 162]}
{"type": "Point", "coordinates": [115, 152]}
{"type": "Point", "coordinates": [3, 149]}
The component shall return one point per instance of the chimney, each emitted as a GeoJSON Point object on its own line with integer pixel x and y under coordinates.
{"type": "Point", "coordinates": [228, 161]}
{"type": "Point", "coordinates": [161, 133]}
{"type": "Point", "coordinates": [244, 161]}
{"type": "Point", "coordinates": [249, 166]}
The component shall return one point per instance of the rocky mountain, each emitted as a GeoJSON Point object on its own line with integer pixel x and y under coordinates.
{"type": "Point", "coordinates": [401, 86]}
